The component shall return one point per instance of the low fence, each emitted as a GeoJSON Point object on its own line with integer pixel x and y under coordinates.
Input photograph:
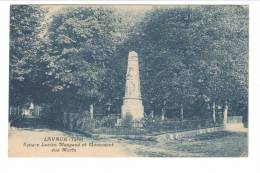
{"type": "Point", "coordinates": [109, 125]}
{"type": "Point", "coordinates": [119, 130]}
{"type": "Point", "coordinates": [179, 126]}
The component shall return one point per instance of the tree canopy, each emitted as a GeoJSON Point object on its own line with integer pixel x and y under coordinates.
{"type": "Point", "coordinates": [189, 56]}
{"type": "Point", "coordinates": [193, 55]}
{"type": "Point", "coordinates": [26, 25]}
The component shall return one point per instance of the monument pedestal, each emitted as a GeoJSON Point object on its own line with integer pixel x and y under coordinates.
{"type": "Point", "coordinates": [133, 107]}
{"type": "Point", "coordinates": [132, 104]}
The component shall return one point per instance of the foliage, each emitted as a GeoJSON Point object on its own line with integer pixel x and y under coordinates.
{"type": "Point", "coordinates": [189, 57]}
{"type": "Point", "coordinates": [81, 46]}
{"type": "Point", "coordinates": [26, 25]}
{"type": "Point", "coordinates": [192, 55]}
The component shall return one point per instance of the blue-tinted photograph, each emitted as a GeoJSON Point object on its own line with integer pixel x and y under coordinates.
{"type": "Point", "coordinates": [128, 81]}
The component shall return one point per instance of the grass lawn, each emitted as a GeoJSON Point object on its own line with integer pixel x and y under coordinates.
{"type": "Point", "coordinates": [217, 144]}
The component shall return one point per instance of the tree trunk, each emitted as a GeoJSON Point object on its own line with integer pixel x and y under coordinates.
{"type": "Point", "coordinates": [18, 111]}
{"type": "Point", "coordinates": [181, 112]}
{"type": "Point", "coordinates": [91, 110]}
{"type": "Point", "coordinates": [214, 112]}
{"type": "Point", "coordinates": [225, 114]}
{"type": "Point", "coordinates": [163, 114]}
{"type": "Point", "coordinates": [163, 110]}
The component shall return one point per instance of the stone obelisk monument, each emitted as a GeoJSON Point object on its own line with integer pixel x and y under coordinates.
{"type": "Point", "coordinates": [132, 103]}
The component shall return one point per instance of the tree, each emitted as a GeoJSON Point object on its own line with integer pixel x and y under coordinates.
{"type": "Point", "coordinates": [26, 26]}
{"type": "Point", "coordinates": [191, 55]}
{"type": "Point", "coordinates": [82, 43]}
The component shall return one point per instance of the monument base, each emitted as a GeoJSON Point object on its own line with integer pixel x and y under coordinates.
{"type": "Point", "coordinates": [133, 107]}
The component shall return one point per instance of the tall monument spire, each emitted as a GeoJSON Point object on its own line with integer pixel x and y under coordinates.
{"type": "Point", "coordinates": [132, 103]}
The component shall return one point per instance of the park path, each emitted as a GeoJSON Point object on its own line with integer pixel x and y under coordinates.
{"type": "Point", "coordinates": [18, 136]}
{"type": "Point", "coordinates": [218, 144]}
{"type": "Point", "coordinates": [236, 127]}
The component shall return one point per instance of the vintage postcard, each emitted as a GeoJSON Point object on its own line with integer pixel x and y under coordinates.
{"type": "Point", "coordinates": [128, 81]}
